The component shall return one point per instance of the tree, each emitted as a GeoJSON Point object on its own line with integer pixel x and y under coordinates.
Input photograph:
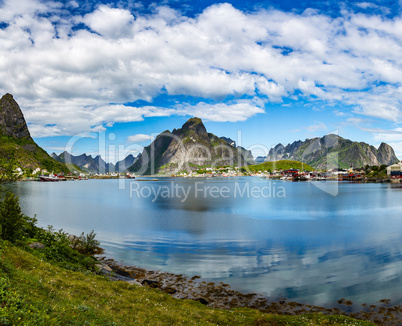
{"type": "Point", "coordinates": [11, 218]}
{"type": "Point", "coordinates": [7, 173]}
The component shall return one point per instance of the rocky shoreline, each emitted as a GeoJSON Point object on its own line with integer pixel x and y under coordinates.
{"type": "Point", "coordinates": [221, 296]}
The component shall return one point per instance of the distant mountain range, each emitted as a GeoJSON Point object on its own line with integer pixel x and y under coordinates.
{"type": "Point", "coordinates": [260, 159]}
{"type": "Point", "coordinates": [333, 151]}
{"type": "Point", "coordinates": [16, 145]}
{"type": "Point", "coordinates": [187, 148]}
{"type": "Point", "coordinates": [248, 156]}
{"type": "Point", "coordinates": [330, 151]}
{"type": "Point", "coordinates": [96, 164]}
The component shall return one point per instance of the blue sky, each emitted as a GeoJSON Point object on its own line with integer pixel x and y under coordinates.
{"type": "Point", "coordinates": [108, 76]}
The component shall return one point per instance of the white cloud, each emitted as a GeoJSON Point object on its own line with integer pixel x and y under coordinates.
{"type": "Point", "coordinates": [73, 119]}
{"type": "Point", "coordinates": [95, 118]}
{"type": "Point", "coordinates": [139, 138]}
{"type": "Point", "coordinates": [109, 22]}
{"type": "Point", "coordinates": [220, 112]}
{"type": "Point", "coordinates": [16, 8]}
{"type": "Point", "coordinates": [388, 135]}
{"type": "Point", "coordinates": [57, 72]}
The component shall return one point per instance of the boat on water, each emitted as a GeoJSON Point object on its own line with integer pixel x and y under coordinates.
{"type": "Point", "coordinates": [52, 178]}
{"type": "Point", "coordinates": [299, 177]}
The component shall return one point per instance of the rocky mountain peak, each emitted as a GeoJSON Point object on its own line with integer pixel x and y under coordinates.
{"type": "Point", "coordinates": [193, 124]}
{"type": "Point", "coordinates": [386, 154]}
{"type": "Point", "coordinates": [12, 122]}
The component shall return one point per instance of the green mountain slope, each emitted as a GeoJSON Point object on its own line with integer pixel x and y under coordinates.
{"type": "Point", "coordinates": [16, 145]}
{"type": "Point", "coordinates": [280, 165]}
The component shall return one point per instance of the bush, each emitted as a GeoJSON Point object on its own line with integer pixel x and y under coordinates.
{"type": "Point", "coordinates": [72, 253]}
{"type": "Point", "coordinates": [60, 250]}
{"type": "Point", "coordinates": [88, 245]}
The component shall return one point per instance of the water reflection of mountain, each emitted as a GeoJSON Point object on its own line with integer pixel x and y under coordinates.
{"type": "Point", "coordinates": [313, 275]}
{"type": "Point", "coordinates": [310, 246]}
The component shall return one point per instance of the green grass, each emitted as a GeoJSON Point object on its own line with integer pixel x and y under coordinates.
{"type": "Point", "coordinates": [35, 292]}
{"type": "Point", "coordinates": [279, 165]}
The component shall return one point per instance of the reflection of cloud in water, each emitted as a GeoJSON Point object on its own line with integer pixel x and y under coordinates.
{"type": "Point", "coordinates": [364, 274]}
{"type": "Point", "coordinates": [309, 246]}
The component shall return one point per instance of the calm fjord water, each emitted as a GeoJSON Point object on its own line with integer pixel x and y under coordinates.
{"type": "Point", "coordinates": [281, 239]}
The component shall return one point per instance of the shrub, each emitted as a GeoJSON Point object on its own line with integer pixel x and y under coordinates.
{"type": "Point", "coordinates": [71, 253]}
{"type": "Point", "coordinates": [88, 245]}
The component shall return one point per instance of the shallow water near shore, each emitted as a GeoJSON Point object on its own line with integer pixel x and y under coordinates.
{"type": "Point", "coordinates": [314, 243]}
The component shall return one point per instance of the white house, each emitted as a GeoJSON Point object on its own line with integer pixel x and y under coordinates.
{"type": "Point", "coordinates": [36, 171]}
{"type": "Point", "coordinates": [394, 168]}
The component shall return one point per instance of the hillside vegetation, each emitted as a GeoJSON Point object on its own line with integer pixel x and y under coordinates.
{"type": "Point", "coordinates": [279, 165]}
{"type": "Point", "coordinates": [25, 153]}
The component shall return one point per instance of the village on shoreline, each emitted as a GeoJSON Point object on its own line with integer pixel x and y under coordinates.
{"type": "Point", "coordinates": [392, 173]}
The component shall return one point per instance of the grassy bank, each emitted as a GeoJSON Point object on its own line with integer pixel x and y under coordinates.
{"type": "Point", "coordinates": [36, 292]}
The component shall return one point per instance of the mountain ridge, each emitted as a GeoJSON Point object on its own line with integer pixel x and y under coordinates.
{"type": "Point", "coordinates": [332, 151]}
{"type": "Point", "coordinates": [94, 164]}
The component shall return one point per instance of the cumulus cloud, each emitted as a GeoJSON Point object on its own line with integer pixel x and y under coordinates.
{"type": "Point", "coordinates": [220, 112]}
{"type": "Point", "coordinates": [88, 67]}
{"type": "Point", "coordinates": [72, 119]}
{"type": "Point", "coordinates": [109, 22]}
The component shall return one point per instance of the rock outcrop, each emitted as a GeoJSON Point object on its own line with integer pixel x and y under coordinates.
{"type": "Point", "coordinates": [12, 121]}
{"type": "Point", "coordinates": [386, 154]}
